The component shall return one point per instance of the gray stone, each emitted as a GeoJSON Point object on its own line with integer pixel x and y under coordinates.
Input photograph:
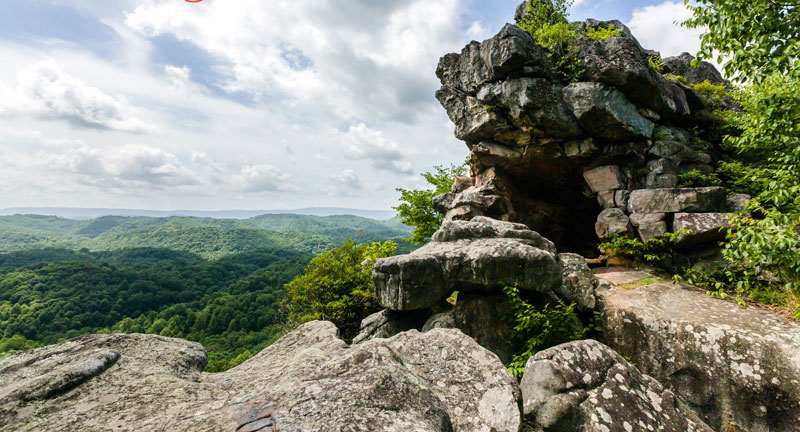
{"type": "Point", "coordinates": [604, 178]}
{"type": "Point", "coordinates": [611, 222]}
{"type": "Point", "coordinates": [386, 323]}
{"type": "Point", "coordinates": [671, 133]}
{"type": "Point", "coordinates": [580, 149]}
{"type": "Point", "coordinates": [605, 113]}
{"type": "Point", "coordinates": [705, 199]}
{"type": "Point", "coordinates": [738, 367]}
{"type": "Point", "coordinates": [483, 318]}
{"type": "Point", "coordinates": [682, 66]}
{"type": "Point", "coordinates": [309, 380]}
{"type": "Point", "coordinates": [444, 202]}
{"type": "Point", "coordinates": [649, 226]}
{"type": "Point", "coordinates": [621, 198]}
{"type": "Point", "coordinates": [705, 227]}
{"type": "Point", "coordinates": [737, 202]}
{"type": "Point", "coordinates": [586, 386]}
{"type": "Point", "coordinates": [606, 199]}
{"type": "Point", "coordinates": [481, 255]}
{"type": "Point", "coordinates": [579, 283]}
{"type": "Point", "coordinates": [533, 103]}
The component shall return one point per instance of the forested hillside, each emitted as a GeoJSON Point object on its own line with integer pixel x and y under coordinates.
{"type": "Point", "coordinates": [219, 282]}
{"type": "Point", "coordinates": [207, 237]}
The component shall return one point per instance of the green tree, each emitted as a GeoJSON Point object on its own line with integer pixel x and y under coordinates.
{"type": "Point", "coordinates": [761, 39]}
{"type": "Point", "coordinates": [416, 208]}
{"type": "Point", "coordinates": [337, 286]}
{"type": "Point", "coordinates": [758, 37]}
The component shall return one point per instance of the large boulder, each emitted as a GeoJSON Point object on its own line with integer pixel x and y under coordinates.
{"type": "Point", "coordinates": [579, 283]}
{"type": "Point", "coordinates": [479, 256]}
{"type": "Point", "coordinates": [605, 113]}
{"type": "Point", "coordinates": [309, 380]}
{"type": "Point", "coordinates": [703, 228]}
{"type": "Point", "coordinates": [739, 368]}
{"type": "Point", "coordinates": [682, 66]}
{"type": "Point", "coordinates": [586, 386]}
{"type": "Point", "coordinates": [704, 199]}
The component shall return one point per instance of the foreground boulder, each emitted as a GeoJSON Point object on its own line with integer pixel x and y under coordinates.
{"type": "Point", "coordinates": [480, 256]}
{"type": "Point", "coordinates": [739, 368]}
{"type": "Point", "coordinates": [586, 386]}
{"type": "Point", "coordinates": [310, 380]}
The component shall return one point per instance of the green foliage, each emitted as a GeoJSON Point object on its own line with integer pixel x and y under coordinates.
{"type": "Point", "coordinates": [230, 305]}
{"type": "Point", "coordinates": [712, 93]}
{"type": "Point", "coordinates": [737, 279]}
{"type": "Point", "coordinates": [540, 328]}
{"type": "Point", "coordinates": [658, 251]}
{"type": "Point", "coordinates": [600, 33]}
{"type": "Point", "coordinates": [755, 38]}
{"type": "Point", "coordinates": [695, 178]}
{"type": "Point", "coordinates": [546, 21]}
{"type": "Point", "coordinates": [416, 206]}
{"type": "Point", "coordinates": [337, 286]}
{"type": "Point", "coordinates": [769, 144]}
{"type": "Point", "coordinates": [207, 238]}
{"type": "Point", "coordinates": [655, 62]}
{"type": "Point", "coordinates": [676, 78]}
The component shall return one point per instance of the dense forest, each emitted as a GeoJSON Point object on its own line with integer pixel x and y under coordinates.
{"type": "Point", "coordinates": [220, 282]}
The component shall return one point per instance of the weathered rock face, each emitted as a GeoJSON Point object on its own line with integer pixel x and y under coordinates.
{"type": "Point", "coordinates": [483, 318]}
{"type": "Point", "coordinates": [386, 323]}
{"type": "Point", "coordinates": [309, 380]}
{"type": "Point", "coordinates": [738, 368]}
{"type": "Point", "coordinates": [586, 386]}
{"type": "Point", "coordinates": [553, 155]}
{"type": "Point", "coordinates": [482, 255]}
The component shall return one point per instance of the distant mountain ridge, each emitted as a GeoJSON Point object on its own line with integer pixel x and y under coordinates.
{"type": "Point", "coordinates": [92, 213]}
{"type": "Point", "coordinates": [209, 238]}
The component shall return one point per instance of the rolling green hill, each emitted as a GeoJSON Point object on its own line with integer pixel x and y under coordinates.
{"type": "Point", "coordinates": [208, 238]}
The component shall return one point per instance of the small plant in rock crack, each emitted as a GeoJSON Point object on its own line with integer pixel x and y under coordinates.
{"type": "Point", "coordinates": [600, 33]}
{"type": "Point", "coordinates": [540, 328]}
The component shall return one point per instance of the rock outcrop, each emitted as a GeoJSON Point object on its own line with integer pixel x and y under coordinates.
{"type": "Point", "coordinates": [482, 255]}
{"type": "Point", "coordinates": [554, 155]}
{"type": "Point", "coordinates": [738, 368]}
{"type": "Point", "coordinates": [586, 386]}
{"type": "Point", "coordinates": [309, 380]}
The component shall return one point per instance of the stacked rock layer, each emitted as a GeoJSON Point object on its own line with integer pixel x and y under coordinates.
{"type": "Point", "coordinates": [581, 160]}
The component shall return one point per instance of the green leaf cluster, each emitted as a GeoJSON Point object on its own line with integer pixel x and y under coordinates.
{"type": "Point", "coordinates": [695, 178]}
{"type": "Point", "coordinates": [658, 251]}
{"type": "Point", "coordinates": [600, 33]}
{"type": "Point", "coordinates": [416, 205]}
{"type": "Point", "coordinates": [540, 328]}
{"type": "Point", "coordinates": [337, 286]}
{"type": "Point", "coordinates": [754, 38]}
{"type": "Point", "coordinates": [546, 21]}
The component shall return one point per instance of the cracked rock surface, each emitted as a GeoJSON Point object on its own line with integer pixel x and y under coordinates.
{"type": "Point", "coordinates": [309, 380]}
{"type": "Point", "coordinates": [586, 386]}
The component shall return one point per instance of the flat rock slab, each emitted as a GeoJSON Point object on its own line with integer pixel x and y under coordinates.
{"type": "Point", "coordinates": [482, 255]}
{"type": "Point", "coordinates": [736, 367]}
{"type": "Point", "coordinates": [704, 199]}
{"type": "Point", "coordinates": [623, 277]}
{"type": "Point", "coordinates": [309, 380]}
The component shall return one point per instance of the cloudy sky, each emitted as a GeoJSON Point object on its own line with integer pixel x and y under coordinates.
{"type": "Point", "coordinates": [243, 104]}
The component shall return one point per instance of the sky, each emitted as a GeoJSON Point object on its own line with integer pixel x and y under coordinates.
{"type": "Point", "coordinates": [244, 104]}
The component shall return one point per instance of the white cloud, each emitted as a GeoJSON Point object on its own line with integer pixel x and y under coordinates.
{"type": "Point", "coordinates": [658, 28]}
{"type": "Point", "coordinates": [44, 89]}
{"type": "Point", "coordinates": [347, 179]}
{"type": "Point", "coordinates": [263, 178]}
{"type": "Point", "coordinates": [357, 59]}
{"type": "Point", "coordinates": [372, 145]}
